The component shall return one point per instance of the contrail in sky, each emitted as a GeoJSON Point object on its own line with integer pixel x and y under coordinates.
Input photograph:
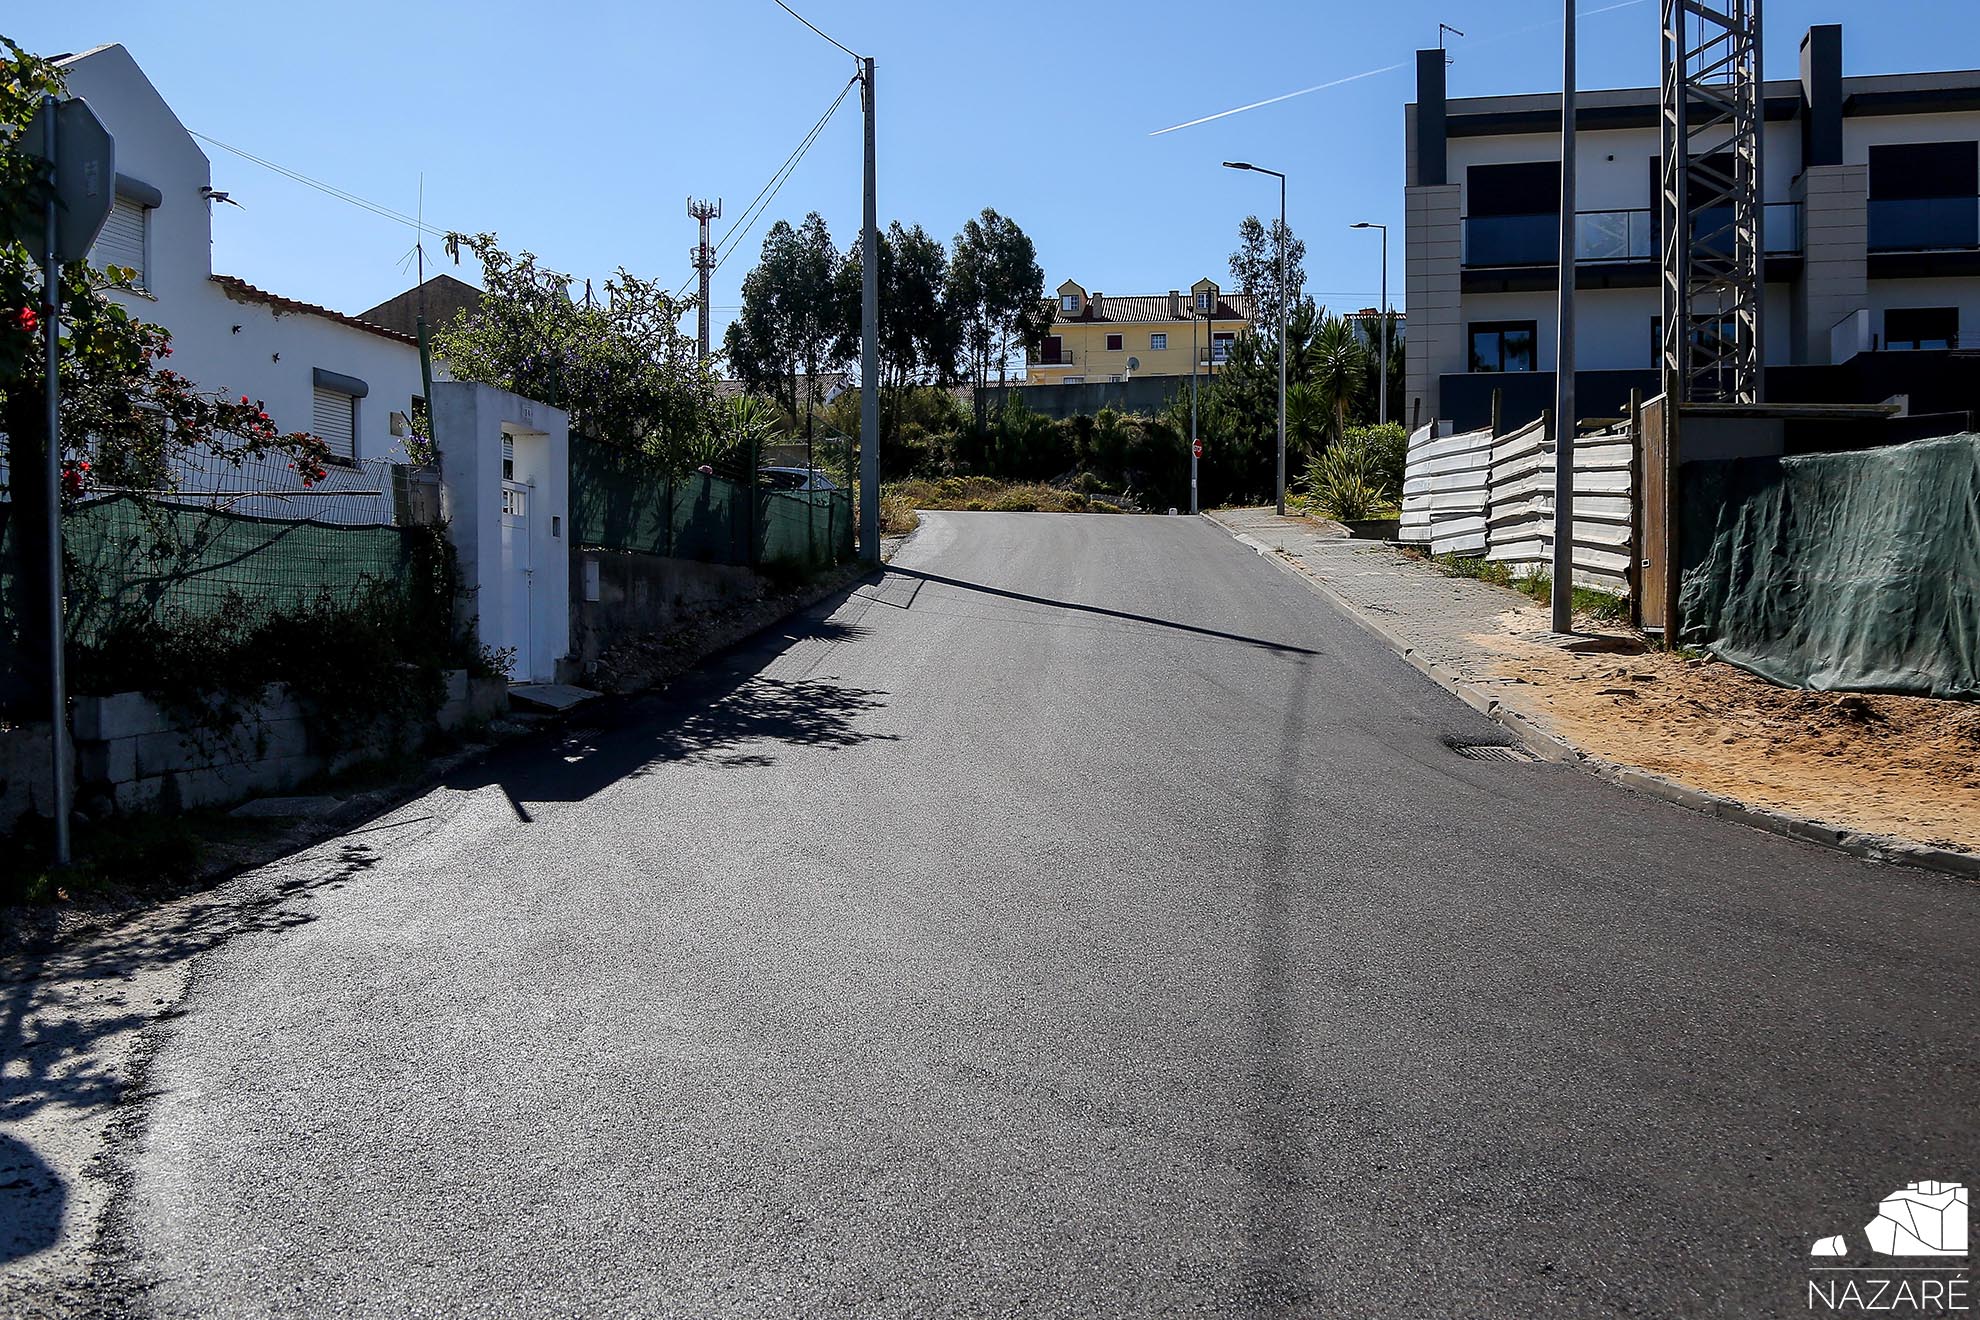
{"type": "Point", "coordinates": [1387, 68]}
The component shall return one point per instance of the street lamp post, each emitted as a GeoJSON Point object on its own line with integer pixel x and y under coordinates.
{"type": "Point", "coordinates": [1382, 389]}
{"type": "Point", "coordinates": [1280, 238]}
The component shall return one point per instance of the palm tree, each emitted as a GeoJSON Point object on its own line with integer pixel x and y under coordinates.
{"type": "Point", "coordinates": [1337, 364]}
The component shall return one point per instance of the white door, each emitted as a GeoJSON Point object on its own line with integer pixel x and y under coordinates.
{"type": "Point", "coordinates": [515, 578]}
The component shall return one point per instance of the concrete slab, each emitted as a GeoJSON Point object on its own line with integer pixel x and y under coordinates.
{"type": "Point", "coordinates": [548, 696]}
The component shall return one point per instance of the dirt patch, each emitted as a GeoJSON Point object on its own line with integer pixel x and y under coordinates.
{"type": "Point", "coordinates": [1908, 767]}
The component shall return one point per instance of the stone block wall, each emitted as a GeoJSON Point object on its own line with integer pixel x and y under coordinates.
{"type": "Point", "coordinates": [142, 755]}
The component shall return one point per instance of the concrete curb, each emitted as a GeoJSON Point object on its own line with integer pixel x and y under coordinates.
{"type": "Point", "coordinates": [1869, 847]}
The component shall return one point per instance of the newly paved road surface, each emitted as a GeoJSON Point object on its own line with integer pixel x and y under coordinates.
{"type": "Point", "coordinates": [1085, 921]}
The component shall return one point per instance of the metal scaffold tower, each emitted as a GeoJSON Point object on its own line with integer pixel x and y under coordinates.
{"type": "Point", "coordinates": [1712, 223]}
{"type": "Point", "coordinates": [704, 261]}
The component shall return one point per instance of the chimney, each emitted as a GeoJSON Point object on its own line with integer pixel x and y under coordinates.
{"type": "Point", "coordinates": [1175, 304]}
{"type": "Point", "coordinates": [1093, 302]}
{"type": "Point", "coordinates": [1821, 95]}
{"type": "Point", "coordinates": [1431, 167]}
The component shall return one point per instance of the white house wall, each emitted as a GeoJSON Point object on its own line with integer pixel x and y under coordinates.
{"type": "Point", "coordinates": [1612, 166]}
{"type": "Point", "coordinates": [1612, 326]}
{"type": "Point", "coordinates": [225, 345]}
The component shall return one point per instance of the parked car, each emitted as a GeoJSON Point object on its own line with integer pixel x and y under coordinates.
{"type": "Point", "coordinates": [795, 478]}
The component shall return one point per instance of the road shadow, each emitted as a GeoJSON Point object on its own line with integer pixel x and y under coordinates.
{"type": "Point", "coordinates": [62, 1008]}
{"type": "Point", "coordinates": [31, 1200]}
{"type": "Point", "coordinates": [729, 713]}
{"type": "Point", "coordinates": [1283, 648]}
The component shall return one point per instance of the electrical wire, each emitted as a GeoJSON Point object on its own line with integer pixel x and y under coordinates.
{"type": "Point", "coordinates": [376, 208]}
{"type": "Point", "coordinates": [736, 232]}
{"type": "Point", "coordinates": [815, 28]}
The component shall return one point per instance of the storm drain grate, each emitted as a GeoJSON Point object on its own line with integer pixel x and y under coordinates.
{"type": "Point", "coordinates": [1492, 751]}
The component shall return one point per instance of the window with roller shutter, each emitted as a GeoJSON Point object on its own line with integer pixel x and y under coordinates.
{"type": "Point", "coordinates": [334, 420]}
{"type": "Point", "coordinates": [122, 241]}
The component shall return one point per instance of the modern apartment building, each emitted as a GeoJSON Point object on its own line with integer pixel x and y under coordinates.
{"type": "Point", "coordinates": [1872, 238]}
{"type": "Point", "coordinates": [1098, 337]}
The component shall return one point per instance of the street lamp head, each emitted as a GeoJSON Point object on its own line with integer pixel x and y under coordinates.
{"type": "Point", "coordinates": [1237, 165]}
{"type": "Point", "coordinates": [1361, 224]}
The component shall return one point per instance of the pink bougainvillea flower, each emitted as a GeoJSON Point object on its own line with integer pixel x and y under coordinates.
{"type": "Point", "coordinates": [29, 320]}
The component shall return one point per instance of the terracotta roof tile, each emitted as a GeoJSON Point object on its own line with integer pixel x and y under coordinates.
{"type": "Point", "coordinates": [241, 291]}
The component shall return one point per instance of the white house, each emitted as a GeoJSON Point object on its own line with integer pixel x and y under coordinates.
{"type": "Point", "coordinates": [310, 368]}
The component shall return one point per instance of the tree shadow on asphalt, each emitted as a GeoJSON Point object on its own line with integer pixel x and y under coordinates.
{"type": "Point", "coordinates": [731, 714]}
{"type": "Point", "coordinates": [58, 1006]}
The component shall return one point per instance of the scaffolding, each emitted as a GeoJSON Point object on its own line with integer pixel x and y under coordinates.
{"type": "Point", "coordinates": [1712, 230]}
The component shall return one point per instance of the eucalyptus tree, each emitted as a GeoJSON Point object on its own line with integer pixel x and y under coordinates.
{"type": "Point", "coordinates": [997, 296]}
{"type": "Point", "coordinates": [791, 330]}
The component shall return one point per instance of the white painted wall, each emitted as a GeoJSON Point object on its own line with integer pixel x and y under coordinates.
{"type": "Point", "coordinates": [470, 422]}
{"type": "Point", "coordinates": [1612, 167]}
{"type": "Point", "coordinates": [223, 344]}
{"type": "Point", "coordinates": [1612, 326]}
{"type": "Point", "coordinates": [1961, 293]}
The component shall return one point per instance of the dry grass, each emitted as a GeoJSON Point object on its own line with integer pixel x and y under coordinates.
{"type": "Point", "coordinates": [988, 494]}
{"type": "Point", "coordinates": [897, 515]}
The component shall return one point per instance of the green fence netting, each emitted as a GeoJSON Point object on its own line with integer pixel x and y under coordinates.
{"type": "Point", "coordinates": [174, 568]}
{"type": "Point", "coordinates": [1852, 571]}
{"type": "Point", "coordinates": [621, 500]}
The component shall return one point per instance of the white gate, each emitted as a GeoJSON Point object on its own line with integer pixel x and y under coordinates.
{"type": "Point", "coordinates": [516, 574]}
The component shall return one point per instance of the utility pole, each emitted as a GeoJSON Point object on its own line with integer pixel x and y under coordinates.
{"type": "Point", "coordinates": [704, 261]}
{"type": "Point", "coordinates": [58, 725]}
{"type": "Point", "coordinates": [869, 347]}
{"type": "Point", "coordinates": [1383, 390]}
{"type": "Point", "coordinates": [1564, 420]}
{"type": "Point", "coordinates": [1194, 442]}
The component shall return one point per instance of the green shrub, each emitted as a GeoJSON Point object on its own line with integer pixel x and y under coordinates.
{"type": "Point", "coordinates": [1347, 482]}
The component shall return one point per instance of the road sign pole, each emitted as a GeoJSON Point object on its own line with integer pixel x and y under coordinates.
{"type": "Point", "coordinates": [869, 353]}
{"type": "Point", "coordinates": [57, 669]}
{"type": "Point", "coordinates": [1195, 446]}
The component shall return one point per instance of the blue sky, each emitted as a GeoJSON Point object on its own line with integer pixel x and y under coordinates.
{"type": "Point", "coordinates": [578, 129]}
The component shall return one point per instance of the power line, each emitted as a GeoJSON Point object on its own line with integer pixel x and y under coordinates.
{"type": "Point", "coordinates": [331, 190]}
{"type": "Point", "coordinates": [768, 192]}
{"type": "Point", "coordinates": [815, 28]}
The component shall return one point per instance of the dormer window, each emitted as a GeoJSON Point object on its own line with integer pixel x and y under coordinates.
{"type": "Point", "coordinates": [1069, 302]}
{"type": "Point", "coordinates": [1203, 300]}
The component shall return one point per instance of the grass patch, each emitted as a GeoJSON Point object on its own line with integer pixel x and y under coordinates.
{"type": "Point", "coordinates": [989, 495]}
{"type": "Point", "coordinates": [897, 515]}
{"type": "Point", "coordinates": [1601, 606]}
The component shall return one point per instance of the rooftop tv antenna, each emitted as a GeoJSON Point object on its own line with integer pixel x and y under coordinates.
{"type": "Point", "coordinates": [1442, 28]}
{"type": "Point", "coordinates": [704, 261]}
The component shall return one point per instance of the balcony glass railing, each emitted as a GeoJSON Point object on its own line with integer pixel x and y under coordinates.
{"type": "Point", "coordinates": [1924, 224]}
{"type": "Point", "coordinates": [1609, 236]}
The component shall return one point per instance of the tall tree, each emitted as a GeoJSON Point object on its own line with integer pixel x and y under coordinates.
{"type": "Point", "coordinates": [1255, 271]}
{"type": "Point", "coordinates": [792, 329]}
{"type": "Point", "coordinates": [997, 291]}
{"type": "Point", "coordinates": [618, 365]}
{"type": "Point", "coordinates": [919, 338]}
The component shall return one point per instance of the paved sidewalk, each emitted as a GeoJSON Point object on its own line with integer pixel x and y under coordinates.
{"type": "Point", "coordinates": [1432, 617]}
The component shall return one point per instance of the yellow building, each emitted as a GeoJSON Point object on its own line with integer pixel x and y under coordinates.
{"type": "Point", "coordinates": [1100, 337]}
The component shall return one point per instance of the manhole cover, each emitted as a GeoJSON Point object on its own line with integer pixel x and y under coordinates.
{"type": "Point", "coordinates": [1492, 751]}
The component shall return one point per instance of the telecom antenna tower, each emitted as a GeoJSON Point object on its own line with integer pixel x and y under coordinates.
{"type": "Point", "coordinates": [1712, 221]}
{"type": "Point", "coordinates": [704, 260]}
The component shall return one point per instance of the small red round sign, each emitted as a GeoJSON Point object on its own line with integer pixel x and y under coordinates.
{"type": "Point", "coordinates": [1196, 447]}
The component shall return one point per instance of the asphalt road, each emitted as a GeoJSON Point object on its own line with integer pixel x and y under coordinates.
{"type": "Point", "coordinates": [1088, 920]}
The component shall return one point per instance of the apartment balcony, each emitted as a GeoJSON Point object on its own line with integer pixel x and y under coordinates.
{"type": "Point", "coordinates": [1062, 358]}
{"type": "Point", "coordinates": [1614, 249]}
{"type": "Point", "coordinates": [1924, 224]}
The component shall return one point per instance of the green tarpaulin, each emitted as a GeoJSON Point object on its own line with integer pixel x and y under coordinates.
{"type": "Point", "coordinates": [1855, 571]}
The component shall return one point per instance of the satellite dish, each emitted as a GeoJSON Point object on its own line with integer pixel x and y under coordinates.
{"type": "Point", "coordinates": [1134, 364]}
